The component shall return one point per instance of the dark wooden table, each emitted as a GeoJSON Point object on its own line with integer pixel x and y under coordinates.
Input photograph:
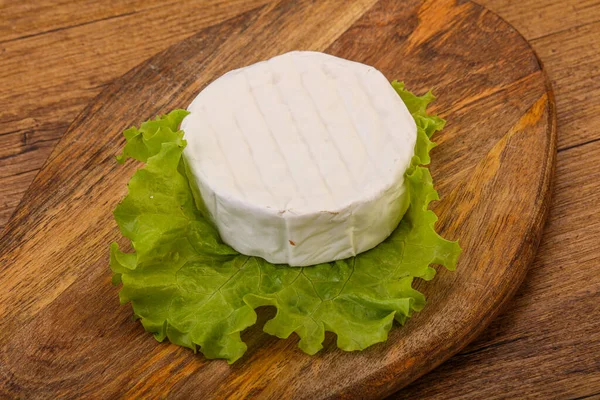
{"type": "Point", "coordinates": [56, 55]}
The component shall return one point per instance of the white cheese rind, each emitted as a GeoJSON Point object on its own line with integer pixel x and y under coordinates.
{"type": "Point", "coordinates": [300, 159]}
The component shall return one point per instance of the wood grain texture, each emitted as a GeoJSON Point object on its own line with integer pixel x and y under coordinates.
{"type": "Point", "coordinates": [536, 19]}
{"type": "Point", "coordinates": [574, 68]}
{"type": "Point", "coordinates": [545, 345]}
{"type": "Point", "coordinates": [29, 19]}
{"type": "Point", "coordinates": [566, 36]}
{"type": "Point", "coordinates": [62, 331]}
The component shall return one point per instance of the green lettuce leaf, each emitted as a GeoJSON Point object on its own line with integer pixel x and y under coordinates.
{"type": "Point", "coordinates": [186, 285]}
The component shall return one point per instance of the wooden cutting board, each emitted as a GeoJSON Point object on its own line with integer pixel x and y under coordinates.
{"type": "Point", "coordinates": [63, 332]}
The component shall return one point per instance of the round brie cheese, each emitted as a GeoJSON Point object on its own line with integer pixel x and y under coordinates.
{"type": "Point", "coordinates": [300, 159]}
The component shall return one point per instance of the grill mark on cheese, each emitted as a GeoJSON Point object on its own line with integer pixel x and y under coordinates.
{"type": "Point", "coordinates": [313, 161]}
{"type": "Point", "coordinates": [273, 137]}
{"type": "Point", "coordinates": [355, 127]}
{"type": "Point", "coordinates": [324, 124]}
{"type": "Point", "coordinates": [224, 155]}
{"type": "Point", "coordinates": [249, 148]}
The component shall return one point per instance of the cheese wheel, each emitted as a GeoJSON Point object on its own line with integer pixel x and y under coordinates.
{"type": "Point", "coordinates": [300, 159]}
